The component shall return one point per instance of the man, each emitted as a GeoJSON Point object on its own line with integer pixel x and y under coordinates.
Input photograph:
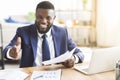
{"type": "Point", "coordinates": [30, 40]}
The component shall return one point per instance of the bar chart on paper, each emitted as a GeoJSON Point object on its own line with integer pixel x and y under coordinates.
{"type": "Point", "coordinates": [46, 75]}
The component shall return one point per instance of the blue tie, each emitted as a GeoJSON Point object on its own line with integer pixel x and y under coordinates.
{"type": "Point", "coordinates": [45, 49]}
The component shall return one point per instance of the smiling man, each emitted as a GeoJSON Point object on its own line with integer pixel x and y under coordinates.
{"type": "Point", "coordinates": [42, 41]}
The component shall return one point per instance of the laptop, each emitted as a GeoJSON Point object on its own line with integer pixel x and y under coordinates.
{"type": "Point", "coordinates": [102, 59]}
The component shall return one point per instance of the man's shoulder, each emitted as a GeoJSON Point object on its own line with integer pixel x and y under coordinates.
{"type": "Point", "coordinates": [58, 27]}
{"type": "Point", "coordinates": [59, 30]}
{"type": "Point", "coordinates": [26, 26]}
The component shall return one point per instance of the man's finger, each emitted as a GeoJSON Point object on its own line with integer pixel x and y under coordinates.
{"type": "Point", "coordinates": [18, 41]}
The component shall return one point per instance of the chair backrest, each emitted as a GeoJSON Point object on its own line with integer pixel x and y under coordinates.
{"type": "Point", "coordinates": [1, 48]}
{"type": "Point", "coordinates": [1, 35]}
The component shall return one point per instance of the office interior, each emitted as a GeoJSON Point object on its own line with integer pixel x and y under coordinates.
{"type": "Point", "coordinates": [90, 23]}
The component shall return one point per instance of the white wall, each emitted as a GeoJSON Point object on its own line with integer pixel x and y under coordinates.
{"type": "Point", "coordinates": [108, 22]}
{"type": "Point", "coordinates": [22, 7]}
{"type": "Point", "coordinates": [16, 7]}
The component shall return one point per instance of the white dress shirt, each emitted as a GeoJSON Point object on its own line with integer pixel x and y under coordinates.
{"type": "Point", "coordinates": [38, 60]}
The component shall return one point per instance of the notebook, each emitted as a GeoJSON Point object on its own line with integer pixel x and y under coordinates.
{"type": "Point", "coordinates": [103, 59]}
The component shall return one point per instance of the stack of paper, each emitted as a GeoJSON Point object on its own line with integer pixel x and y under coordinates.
{"type": "Point", "coordinates": [12, 74]}
{"type": "Point", "coordinates": [46, 75]}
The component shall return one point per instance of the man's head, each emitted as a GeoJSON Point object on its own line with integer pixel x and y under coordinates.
{"type": "Point", "coordinates": [45, 15]}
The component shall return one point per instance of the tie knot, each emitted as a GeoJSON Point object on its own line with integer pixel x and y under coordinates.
{"type": "Point", "coordinates": [44, 36]}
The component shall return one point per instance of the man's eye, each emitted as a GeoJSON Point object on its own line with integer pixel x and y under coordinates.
{"type": "Point", "coordinates": [49, 18]}
{"type": "Point", "coordinates": [39, 17]}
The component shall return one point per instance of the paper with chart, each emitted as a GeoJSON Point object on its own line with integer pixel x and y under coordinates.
{"type": "Point", "coordinates": [61, 58]}
{"type": "Point", "coordinates": [46, 75]}
{"type": "Point", "coordinates": [12, 74]}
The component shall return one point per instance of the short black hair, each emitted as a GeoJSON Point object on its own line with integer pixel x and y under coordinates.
{"type": "Point", "coordinates": [45, 5]}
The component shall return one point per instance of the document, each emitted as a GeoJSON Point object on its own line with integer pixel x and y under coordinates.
{"type": "Point", "coordinates": [59, 59]}
{"type": "Point", "coordinates": [12, 74]}
{"type": "Point", "coordinates": [46, 75]}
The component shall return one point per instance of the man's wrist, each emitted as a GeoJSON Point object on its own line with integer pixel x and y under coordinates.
{"type": "Point", "coordinates": [76, 59]}
{"type": "Point", "coordinates": [8, 54]}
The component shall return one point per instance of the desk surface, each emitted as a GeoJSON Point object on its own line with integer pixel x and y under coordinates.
{"type": "Point", "coordinates": [72, 74]}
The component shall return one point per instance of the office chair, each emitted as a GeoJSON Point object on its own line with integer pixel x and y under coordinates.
{"type": "Point", "coordinates": [1, 48]}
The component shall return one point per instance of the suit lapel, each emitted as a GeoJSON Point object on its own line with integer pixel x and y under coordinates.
{"type": "Point", "coordinates": [56, 41]}
{"type": "Point", "coordinates": [34, 40]}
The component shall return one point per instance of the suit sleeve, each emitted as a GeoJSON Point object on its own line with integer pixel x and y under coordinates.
{"type": "Point", "coordinates": [71, 45]}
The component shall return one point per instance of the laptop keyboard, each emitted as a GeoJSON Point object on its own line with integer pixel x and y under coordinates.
{"type": "Point", "coordinates": [86, 70]}
{"type": "Point", "coordinates": [82, 68]}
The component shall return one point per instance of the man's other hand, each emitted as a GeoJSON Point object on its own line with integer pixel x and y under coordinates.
{"type": "Point", "coordinates": [69, 63]}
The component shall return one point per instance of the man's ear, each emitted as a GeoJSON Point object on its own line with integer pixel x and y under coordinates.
{"type": "Point", "coordinates": [54, 17]}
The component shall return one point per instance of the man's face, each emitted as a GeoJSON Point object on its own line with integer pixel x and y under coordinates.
{"type": "Point", "coordinates": [44, 19]}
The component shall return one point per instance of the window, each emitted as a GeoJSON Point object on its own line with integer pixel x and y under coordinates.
{"type": "Point", "coordinates": [74, 12]}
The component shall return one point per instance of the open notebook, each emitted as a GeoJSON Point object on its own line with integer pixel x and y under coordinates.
{"type": "Point", "coordinates": [102, 60]}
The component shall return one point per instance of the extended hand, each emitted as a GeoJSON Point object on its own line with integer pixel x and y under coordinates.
{"type": "Point", "coordinates": [16, 49]}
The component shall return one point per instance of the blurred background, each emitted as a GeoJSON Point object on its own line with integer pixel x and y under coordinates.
{"type": "Point", "coordinates": [89, 22]}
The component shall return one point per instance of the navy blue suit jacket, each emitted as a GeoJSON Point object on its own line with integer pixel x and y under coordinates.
{"type": "Point", "coordinates": [29, 36]}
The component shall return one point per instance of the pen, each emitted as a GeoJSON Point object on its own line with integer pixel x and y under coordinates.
{"type": "Point", "coordinates": [40, 76]}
